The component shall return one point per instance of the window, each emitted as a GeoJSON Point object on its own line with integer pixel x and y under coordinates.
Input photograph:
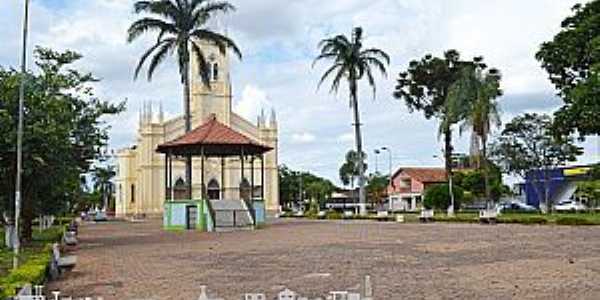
{"type": "Point", "coordinates": [215, 72]}
{"type": "Point", "coordinates": [405, 183]}
{"type": "Point", "coordinates": [133, 193]}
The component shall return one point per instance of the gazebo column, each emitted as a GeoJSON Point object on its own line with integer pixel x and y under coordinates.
{"type": "Point", "coordinates": [188, 174]}
{"type": "Point", "coordinates": [262, 177]}
{"type": "Point", "coordinates": [252, 178]}
{"type": "Point", "coordinates": [166, 177]}
{"type": "Point", "coordinates": [222, 178]}
{"type": "Point", "coordinates": [242, 162]}
{"type": "Point", "coordinates": [172, 196]}
{"type": "Point", "coordinates": [202, 158]}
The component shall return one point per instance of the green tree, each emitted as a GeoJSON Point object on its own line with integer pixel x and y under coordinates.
{"type": "Point", "coordinates": [180, 26]}
{"type": "Point", "coordinates": [102, 177]}
{"type": "Point", "coordinates": [351, 62]}
{"type": "Point", "coordinates": [528, 145]}
{"type": "Point", "coordinates": [377, 187]}
{"type": "Point", "coordinates": [438, 196]}
{"type": "Point", "coordinates": [349, 170]}
{"type": "Point", "coordinates": [426, 86]}
{"type": "Point", "coordinates": [293, 183]}
{"type": "Point", "coordinates": [63, 133]}
{"type": "Point", "coordinates": [572, 61]}
{"type": "Point", "coordinates": [473, 99]}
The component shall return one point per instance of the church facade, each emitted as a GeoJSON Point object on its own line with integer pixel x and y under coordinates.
{"type": "Point", "coordinates": [140, 179]}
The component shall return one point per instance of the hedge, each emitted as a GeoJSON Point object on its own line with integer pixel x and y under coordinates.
{"type": "Point", "coordinates": [33, 271]}
{"type": "Point", "coordinates": [575, 221]}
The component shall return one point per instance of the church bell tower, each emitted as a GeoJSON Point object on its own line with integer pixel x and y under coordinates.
{"type": "Point", "coordinates": [215, 99]}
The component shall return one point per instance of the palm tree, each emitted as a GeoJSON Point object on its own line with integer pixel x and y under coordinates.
{"type": "Point", "coordinates": [103, 182]}
{"type": "Point", "coordinates": [180, 26]}
{"type": "Point", "coordinates": [352, 63]}
{"type": "Point", "coordinates": [473, 98]}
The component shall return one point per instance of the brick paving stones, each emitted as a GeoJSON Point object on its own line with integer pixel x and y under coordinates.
{"type": "Point", "coordinates": [120, 260]}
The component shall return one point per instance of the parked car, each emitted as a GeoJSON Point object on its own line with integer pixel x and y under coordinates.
{"type": "Point", "coordinates": [569, 205]}
{"type": "Point", "coordinates": [100, 217]}
{"type": "Point", "coordinates": [515, 206]}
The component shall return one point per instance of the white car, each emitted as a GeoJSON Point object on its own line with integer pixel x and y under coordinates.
{"type": "Point", "coordinates": [569, 205]}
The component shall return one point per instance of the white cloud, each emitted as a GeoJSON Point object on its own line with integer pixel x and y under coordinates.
{"type": "Point", "coordinates": [276, 71]}
{"type": "Point", "coordinates": [253, 101]}
{"type": "Point", "coordinates": [346, 137]}
{"type": "Point", "coordinates": [303, 138]}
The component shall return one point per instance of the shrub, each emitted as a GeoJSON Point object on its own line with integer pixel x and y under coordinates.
{"type": "Point", "coordinates": [575, 221]}
{"type": "Point", "coordinates": [438, 197]}
{"type": "Point", "coordinates": [33, 271]}
{"type": "Point", "coordinates": [526, 220]}
{"type": "Point", "coordinates": [333, 215]}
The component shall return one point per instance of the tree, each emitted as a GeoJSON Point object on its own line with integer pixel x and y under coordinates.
{"type": "Point", "coordinates": [529, 146]}
{"type": "Point", "coordinates": [63, 133]}
{"type": "Point", "coordinates": [103, 176]}
{"type": "Point", "coordinates": [473, 99]}
{"type": "Point", "coordinates": [351, 62]}
{"type": "Point", "coordinates": [313, 187]}
{"type": "Point", "coordinates": [349, 171]}
{"type": "Point", "coordinates": [438, 196]}
{"type": "Point", "coordinates": [572, 61]}
{"type": "Point", "coordinates": [426, 87]}
{"type": "Point", "coordinates": [180, 26]}
{"type": "Point", "coordinates": [377, 187]}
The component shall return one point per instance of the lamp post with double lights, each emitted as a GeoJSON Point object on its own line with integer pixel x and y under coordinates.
{"type": "Point", "coordinates": [389, 151]}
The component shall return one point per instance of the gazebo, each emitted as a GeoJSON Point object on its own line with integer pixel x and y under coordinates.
{"type": "Point", "coordinates": [212, 209]}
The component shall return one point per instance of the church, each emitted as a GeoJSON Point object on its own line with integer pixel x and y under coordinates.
{"type": "Point", "coordinates": [140, 180]}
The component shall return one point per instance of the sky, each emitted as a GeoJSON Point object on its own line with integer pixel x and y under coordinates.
{"type": "Point", "coordinates": [279, 42]}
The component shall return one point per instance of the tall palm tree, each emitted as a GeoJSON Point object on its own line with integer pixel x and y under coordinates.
{"type": "Point", "coordinates": [103, 183]}
{"type": "Point", "coordinates": [180, 26]}
{"type": "Point", "coordinates": [353, 63]}
{"type": "Point", "coordinates": [473, 97]}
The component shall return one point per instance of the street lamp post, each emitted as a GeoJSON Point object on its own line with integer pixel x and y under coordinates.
{"type": "Point", "coordinates": [377, 152]}
{"type": "Point", "coordinates": [390, 172]}
{"type": "Point", "coordinates": [20, 136]}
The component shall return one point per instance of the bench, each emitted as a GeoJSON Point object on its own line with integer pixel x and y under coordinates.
{"type": "Point", "coordinates": [348, 214]}
{"type": "Point", "coordinates": [382, 215]}
{"type": "Point", "coordinates": [426, 216]}
{"type": "Point", "coordinates": [60, 264]}
{"type": "Point", "coordinates": [488, 216]}
{"type": "Point", "coordinates": [70, 238]}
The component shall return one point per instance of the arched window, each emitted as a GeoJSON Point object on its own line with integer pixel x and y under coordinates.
{"type": "Point", "coordinates": [215, 72]}
{"type": "Point", "coordinates": [245, 189]}
{"type": "Point", "coordinates": [179, 182]}
{"type": "Point", "coordinates": [214, 190]}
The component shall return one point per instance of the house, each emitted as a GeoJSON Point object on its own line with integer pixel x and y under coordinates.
{"type": "Point", "coordinates": [408, 186]}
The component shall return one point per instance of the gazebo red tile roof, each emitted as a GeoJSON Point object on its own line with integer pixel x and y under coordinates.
{"type": "Point", "coordinates": [213, 138]}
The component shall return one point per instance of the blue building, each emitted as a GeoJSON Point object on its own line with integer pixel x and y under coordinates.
{"type": "Point", "coordinates": [561, 183]}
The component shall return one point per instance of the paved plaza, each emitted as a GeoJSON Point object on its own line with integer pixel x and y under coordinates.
{"type": "Point", "coordinates": [120, 260]}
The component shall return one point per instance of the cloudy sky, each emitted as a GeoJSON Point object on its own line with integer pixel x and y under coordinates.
{"type": "Point", "coordinates": [279, 38]}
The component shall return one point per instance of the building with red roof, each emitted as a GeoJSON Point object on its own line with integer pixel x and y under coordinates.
{"type": "Point", "coordinates": [408, 185]}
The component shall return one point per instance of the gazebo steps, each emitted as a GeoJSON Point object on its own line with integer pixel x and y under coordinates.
{"type": "Point", "coordinates": [231, 214]}
{"type": "Point", "coordinates": [232, 229]}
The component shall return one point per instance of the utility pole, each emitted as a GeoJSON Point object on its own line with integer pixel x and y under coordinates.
{"type": "Point", "coordinates": [20, 137]}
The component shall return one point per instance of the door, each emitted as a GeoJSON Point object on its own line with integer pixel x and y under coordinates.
{"type": "Point", "coordinates": [191, 217]}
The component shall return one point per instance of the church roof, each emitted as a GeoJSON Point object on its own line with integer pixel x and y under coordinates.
{"type": "Point", "coordinates": [213, 138]}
